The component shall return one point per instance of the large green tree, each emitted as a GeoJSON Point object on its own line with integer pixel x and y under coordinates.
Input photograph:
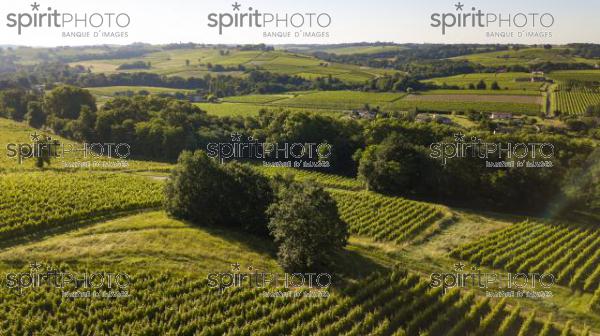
{"type": "Point", "coordinates": [65, 102]}
{"type": "Point", "coordinates": [202, 190]}
{"type": "Point", "coordinates": [306, 226]}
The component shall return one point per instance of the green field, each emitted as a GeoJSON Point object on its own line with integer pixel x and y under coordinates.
{"type": "Point", "coordinates": [568, 252]}
{"type": "Point", "coordinates": [574, 102]}
{"type": "Point", "coordinates": [524, 57]}
{"type": "Point", "coordinates": [168, 296]}
{"type": "Point", "coordinates": [528, 102]}
{"type": "Point", "coordinates": [507, 93]}
{"type": "Point", "coordinates": [339, 100]}
{"type": "Point", "coordinates": [257, 99]}
{"type": "Point", "coordinates": [168, 261]}
{"type": "Point", "coordinates": [111, 91]}
{"type": "Point", "coordinates": [396, 220]}
{"type": "Point", "coordinates": [173, 63]}
{"type": "Point", "coordinates": [576, 75]}
{"type": "Point", "coordinates": [250, 109]}
{"type": "Point", "coordinates": [110, 219]}
{"type": "Point", "coordinates": [349, 50]}
{"type": "Point", "coordinates": [20, 133]}
{"type": "Point", "coordinates": [506, 81]}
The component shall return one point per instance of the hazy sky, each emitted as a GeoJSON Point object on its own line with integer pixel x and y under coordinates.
{"type": "Point", "coordinates": [158, 21]}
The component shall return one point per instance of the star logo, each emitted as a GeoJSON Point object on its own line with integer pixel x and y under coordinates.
{"type": "Point", "coordinates": [236, 137]}
{"type": "Point", "coordinates": [235, 267]}
{"type": "Point", "coordinates": [459, 266]}
{"type": "Point", "coordinates": [35, 265]}
{"type": "Point", "coordinates": [459, 137]}
{"type": "Point", "coordinates": [35, 136]}
{"type": "Point", "coordinates": [236, 6]}
{"type": "Point", "coordinates": [459, 6]}
{"type": "Point", "coordinates": [35, 6]}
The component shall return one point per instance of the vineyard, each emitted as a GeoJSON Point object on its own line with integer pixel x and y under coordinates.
{"type": "Point", "coordinates": [570, 253]}
{"type": "Point", "coordinates": [574, 102]}
{"type": "Point", "coordinates": [325, 180]}
{"type": "Point", "coordinates": [37, 201]}
{"type": "Point", "coordinates": [383, 218]}
{"type": "Point", "coordinates": [393, 303]}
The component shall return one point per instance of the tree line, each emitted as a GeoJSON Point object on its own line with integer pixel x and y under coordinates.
{"type": "Point", "coordinates": [391, 154]}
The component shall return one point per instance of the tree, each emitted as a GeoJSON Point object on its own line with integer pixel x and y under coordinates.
{"type": "Point", "coordinates": [187, 62]}
{"type": "Point", "coordinates": [84, 126]}
{"type": "Point", "coordinates": [45, 149]}
{"type": "Point", "coordinates": [194, 189]}
{"type": "Point", "coordinates": [13, 103]}
{"type": "Point", "coordinates": [495, 86]}
{"type": "Point", "coordinates": [205, 192]}
{"type": "Point", "coordinates": [481, 85]}
{"type": "Point", "coordinates": [306, 226]}
{"type": "Point", "coordinates": [249, 196]}
{"type": "Point", "coordinates": [391, 167]}
{"type": "Point", "coordinates": [65, 102]}
{"type": "Point", "coordinates": [35, 114]}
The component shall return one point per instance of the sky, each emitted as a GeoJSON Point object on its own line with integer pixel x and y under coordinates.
{"type": "Point", "coordinates": [154, 21]}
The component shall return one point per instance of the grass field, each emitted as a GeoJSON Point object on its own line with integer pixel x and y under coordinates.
{"type": "Point", "coordinates": [524, 57]}
{"type": "Point", "coordinates": [341, 101]}
{"type": "Point", "coordinates": [349, 50]}
{"type": "Point", "coordinates": [506, 81]}
{"type": "Point", "coordinates": [173, 62]}
{"type": "Point", "coordinates": [20, 133]}
{"type": "Point", "coordinates": [111, 91]}
{"type": "Point", "coordinates": [577, 75]}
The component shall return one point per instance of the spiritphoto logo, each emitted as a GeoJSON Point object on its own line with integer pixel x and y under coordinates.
{"type": "Point", "coordinates": [46, 148]}
{"type": "Point", "coordinates": [464, 17]}
{"type": "Point", "coordinates": [300, 23]}
{"type": "Point", "coordinates": [73, 24]}
{"type": "Point", "coordinates": [515, 154]}
{"type": "Point", "coordinates": [74, 284]}
{"type": "Point", "coordinates": [299, 155]}
{"type": "Point", "coordinates": [506, 284]}
{"type": "Point", "coordinates": [289, 284]}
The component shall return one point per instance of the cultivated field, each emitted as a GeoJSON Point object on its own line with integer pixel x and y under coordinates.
{"type": "Point", "coordinates": [509, 81]}
{"type": "Point", "coordinates": [576, 75]}
{"type": "Point", "coordinates": [111, 91]}
{"type": "Point", "coordinates": [383, 218]}
{"type": "Point", "coordinates": [174, 63]}
{"type": "Point", "coordinates": [168, 261]}
{"type": "Point", "coordinates": [568, 252]}
{"type": "Point", "coordinates": [339, 101]}
{"type": "Point", "coordinates": [574, 99]}
{"type": "Point", "coordinates": [33, 202]}
{"type": "Point", "coordinates": [524, 57]}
